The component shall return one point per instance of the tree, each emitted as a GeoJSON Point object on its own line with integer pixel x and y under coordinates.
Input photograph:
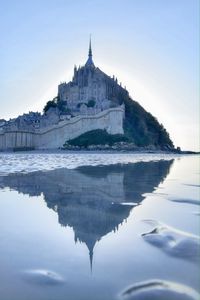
{"type": "Point", "coordinates": [91, 103]}
{"type": "Point", "coordinates": [49, 104]}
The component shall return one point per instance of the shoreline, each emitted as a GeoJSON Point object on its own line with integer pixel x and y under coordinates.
{"type": "Point", "coordinates": [98, 151]}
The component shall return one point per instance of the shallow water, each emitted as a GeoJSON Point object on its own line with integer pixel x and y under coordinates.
{"type": "Point", "coordinates": [25, 162]}
{"type": "Point", "coordinates": [99, 226]}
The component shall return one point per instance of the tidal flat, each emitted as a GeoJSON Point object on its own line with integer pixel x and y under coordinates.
{"type": "Point", "coordinates": [99, 226]}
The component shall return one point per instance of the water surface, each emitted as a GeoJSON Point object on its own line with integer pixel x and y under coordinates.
{"type": "Point", "coordinates": [98, 226]}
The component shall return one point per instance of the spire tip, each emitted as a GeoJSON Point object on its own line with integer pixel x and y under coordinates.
{"type": "Point", "coordinates": [90, 47]}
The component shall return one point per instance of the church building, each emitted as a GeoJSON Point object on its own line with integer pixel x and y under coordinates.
{"type": "Point", "coordinates": [91, 90]}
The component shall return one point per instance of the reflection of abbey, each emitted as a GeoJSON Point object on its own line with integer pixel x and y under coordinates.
{"type": "Point", "coordinates": [92, 100]}
{"type": "Point", "coordinates": [92, 200]}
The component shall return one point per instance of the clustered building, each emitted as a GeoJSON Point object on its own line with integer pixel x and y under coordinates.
{"type": "Point", "coordinates": [90, 92]}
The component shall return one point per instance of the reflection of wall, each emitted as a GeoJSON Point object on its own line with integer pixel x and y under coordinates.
{"type": "Point", "coordinates": [89, 199]}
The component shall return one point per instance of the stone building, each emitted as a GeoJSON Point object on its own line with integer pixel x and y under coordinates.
{"type": "Point", "coordinates": [92, 100]}
{"type": "Point", "coordinates": [90, 90]}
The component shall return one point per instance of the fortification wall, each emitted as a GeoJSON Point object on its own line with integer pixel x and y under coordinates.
{"type": "Point", "coordinates": [55, 136]}
{"type": "Point", "coordinates": [17, 140]}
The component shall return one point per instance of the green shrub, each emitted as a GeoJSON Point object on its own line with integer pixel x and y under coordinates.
{"type": "Point", "coordinates": [91, 103]}
{"type": "Point", "coordinates": [97, 137]}
{"type": "Point", "coordinates": [79, 104]}
{"type": "Point", "coordinates": [49, 104]}
{"type": "Point", "coordinates": [61, 105]}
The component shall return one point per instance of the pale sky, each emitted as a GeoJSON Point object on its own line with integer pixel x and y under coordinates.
{"type": "Point", "coordinates": [152, 46]}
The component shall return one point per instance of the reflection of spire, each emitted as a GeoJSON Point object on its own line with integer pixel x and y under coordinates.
{"type": "Point", "coordinates": [97, 210]}
{"type": "Point", "coordinates": [91, 259]}
{"type": "Point", "coordinates": [90, 242]}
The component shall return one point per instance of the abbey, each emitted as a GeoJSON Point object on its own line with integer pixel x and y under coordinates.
{"type": "Point", "coordinates": [92, 100]}
{"type": "Point", "coordinates": [91, 90]}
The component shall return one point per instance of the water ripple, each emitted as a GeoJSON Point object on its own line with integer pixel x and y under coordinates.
{"type": "Point", "coordinates": [31, 162]}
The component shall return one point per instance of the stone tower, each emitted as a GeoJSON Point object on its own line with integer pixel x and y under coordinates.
{"type": "Point", "coordinates": [91, 90]}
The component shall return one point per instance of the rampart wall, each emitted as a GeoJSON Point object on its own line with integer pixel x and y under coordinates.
{"type": "Point", "coordinates": [54, 136]}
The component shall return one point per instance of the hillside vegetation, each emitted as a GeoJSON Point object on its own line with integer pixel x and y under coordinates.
{"type": "Point", "coordinates": [144, 129]}
{"type": "Point", "coordinates": [140, 128]}
{"type": "Point", "coordinates": [97, 137]}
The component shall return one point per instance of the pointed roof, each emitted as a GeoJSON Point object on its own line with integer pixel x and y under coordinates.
{"type": "Point", "coordinates": [90, 243]}
{"type": "Point", "coordinates": [89, 62]}
{"type": "Point", "coordinates": [91, 259]}
{"type": "Point", "coordinates": [90, 48]}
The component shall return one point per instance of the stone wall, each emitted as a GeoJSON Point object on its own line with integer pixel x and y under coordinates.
{"type": "Point", "coordinates": [17, 140]}
{"type": "Point", "coordinates": [55, 136]}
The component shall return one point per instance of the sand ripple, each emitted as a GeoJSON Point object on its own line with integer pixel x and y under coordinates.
{"type": "Point", "coordinates": [42, 277]}
{"type": "Point", "coordinates": [172, 241]}
{"type": "Point", "coordinates": [159, 290]}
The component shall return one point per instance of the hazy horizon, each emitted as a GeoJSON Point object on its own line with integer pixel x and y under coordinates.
{"type": "Point", "coordinates": [151, 46]}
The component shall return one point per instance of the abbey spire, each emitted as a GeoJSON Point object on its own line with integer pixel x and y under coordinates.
{"type": "Point", "coordinates": [90, 49]}
{"type": "Point", "coordinates": [89, 62]}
